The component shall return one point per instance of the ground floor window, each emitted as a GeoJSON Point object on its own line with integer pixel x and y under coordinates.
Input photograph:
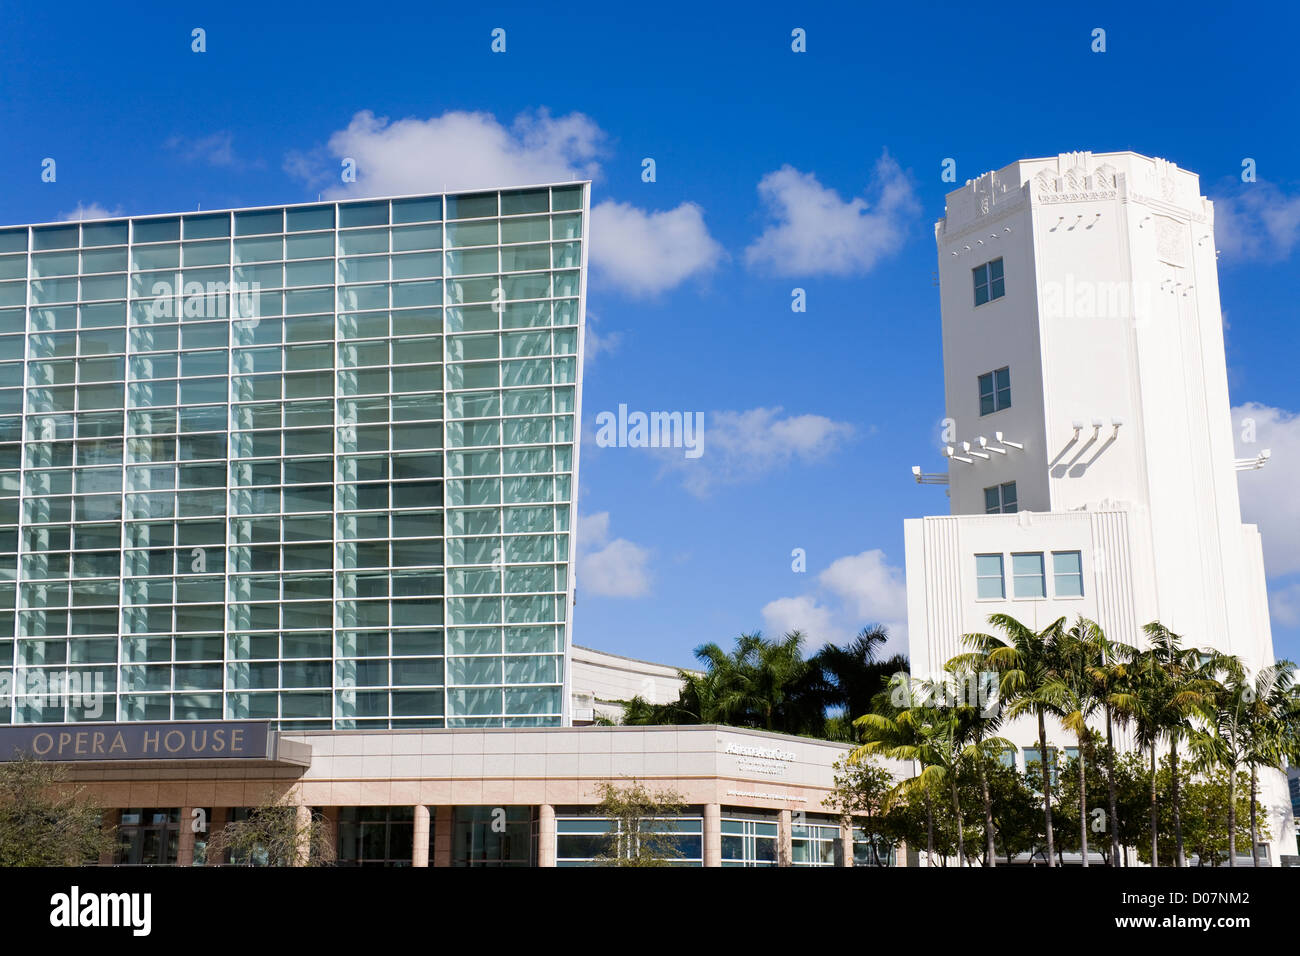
{"type": "Point", "coordinates": [816, 843]}
{"type": "Point", "coordinates": [749, 842]}
{"type": "Point", "coordinates": [871, 849]}
{"type": "Point", "coordinates": [583, 840]}
{"type": "Point", "coordinates": [494, 836]}
{"type": "Point", "coordinates": [148, 836]}
{"type": "Point", "coordinates": [377, 836]}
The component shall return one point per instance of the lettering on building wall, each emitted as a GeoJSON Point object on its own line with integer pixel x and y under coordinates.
{"type": "Point", "coordinates": [188, 741]}
{"type": "Point", "coordinates": [768, 761]}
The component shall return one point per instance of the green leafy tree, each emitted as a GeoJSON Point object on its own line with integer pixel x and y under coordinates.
{"type": "Point", "coordinates": [769, 685]}
{"type": "Point", "coordinates": [1109, 672]}
{"type": "Point", "coordinates": [45, 820]}
{"type": "Point", "coordinates": [1204, 814]}
{"type": "Point", "coordinates": [849, 678]}
{"type": "Point", "coordinates": [1273, 733]}
{"type": "Point", "coordinates": [937, 730]}
{"type": "Point", "coordinates": [1177, 686]}
{"type": "Point", "coordinates": [1072, 688]}
{"type": "Point", "coordinates": [273, 834]}
{"type": "Point", "coordinates": [1017, 814]}
{"type": "Point", "coordinates": [1024, 659]}
{"type": "Point", "coordinates": [1232, 724]}
{"type": "Point", "coordinates": [859, 795]}
{"type": "Point", "coordinates": [644, 824]}
{"type": "Point", "coordinates": [978, 706]}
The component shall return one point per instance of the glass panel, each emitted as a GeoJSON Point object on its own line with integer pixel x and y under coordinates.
{"type": "Point", "coordinates": [1028, 572]}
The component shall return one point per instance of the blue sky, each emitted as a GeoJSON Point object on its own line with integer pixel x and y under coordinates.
{"type": "Point", "coordinates": [814, 418]}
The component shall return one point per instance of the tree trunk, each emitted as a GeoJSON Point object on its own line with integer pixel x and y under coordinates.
{"type": "Point", "coordinates": [1232, 815]}
{"type": "Point", "coordinates": [929, 829]}
{"type": "Point", "coordinates": [1047, 787]}
{"type": "Point", "coordinates": [990, 850]}
{"type": "Point", "coordinates": [1083, 800]}
{"type": "Point", "coordinates": [1113, 822]}
{"type": "Point", "coordinates": [1181, 858]}
{"type": "Point", "coordinates": [1254, 833]}
{"type": "Point", "coordinates": [1155, 815]}
{"type": "Point", "coordinates": [956, 809]}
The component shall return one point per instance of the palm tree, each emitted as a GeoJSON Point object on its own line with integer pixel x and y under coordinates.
{"type": "Point", "coordinates": [1024, 660]}
{"type": "Point", "coordinates": [1072, 688]}
{"type": "Point", "coordinates": [1236, 722]}
{"type": "Point", "coordinates": [1109, 671]}
{"type": "Point", "coordinates": [1137, 704]}
{"type": "Point", "coordinates": [1170, 685]}
{"type": "Point", "coordinates": [848, 678]}
{"type": "Point", "coordinates": [983, 717]}
{"type": "Point", "coordinates": [941, 734]}
{"type": "Point", "coordinates": [903, 731]}
{"type": "Point", "coordinates": [1186, 688]}
{"type": "Point", "coordinates": [1272, 735]}
{"type": "Point", "coordinates": [764, 684]}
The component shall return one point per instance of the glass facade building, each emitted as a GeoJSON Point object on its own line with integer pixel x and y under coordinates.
{"type": "Point", "coordinates": [314, 464]}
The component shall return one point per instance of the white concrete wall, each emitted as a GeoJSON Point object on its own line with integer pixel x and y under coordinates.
{"type": "Point", "coordinates": [598, 679]}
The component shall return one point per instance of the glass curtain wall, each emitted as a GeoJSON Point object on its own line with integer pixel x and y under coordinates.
{"type": "Point", "coordinates": [312, 464]}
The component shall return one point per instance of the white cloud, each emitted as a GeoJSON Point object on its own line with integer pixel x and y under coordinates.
{"type": "Point", "coordinates": [596, 342]}
{"type": "Point", "coordinates": [1284, 605]}
{"type": "Point", "coordinates": [217, 149]}
{"type": "Point", "coordinates": [609, 568]}
{"type": "Point", "coordinates": [815, 232]}
{"type": "Point", "coordinates": [91, 211]}
{"type": "Point", "coordinates": [645, 253]}
{"type": "Point", "coordinates": [457, 150]}
{"type": "Point", "coordinates": [1268, 496]}
{"type": "Point", "coordinates": [817, 623]}
{"type": "Point", "coordinates": [739, 447]}
{"type": "Point", "coordinates": [854, 591]}
{"type": "Point", "coordinates": [638, 251]}
{"type": "Point", "coordinates": [875, 590]}
{"type": "Point", "coordinates": [1258, 221]}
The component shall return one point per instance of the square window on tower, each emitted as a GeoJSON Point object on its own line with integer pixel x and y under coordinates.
{"type": "Point", "coordinates": [989, 283]}
{"type": "Point", "coordinates": [995, 391]}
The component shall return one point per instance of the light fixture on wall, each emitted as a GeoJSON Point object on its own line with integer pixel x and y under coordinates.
{"type": "Point", "coordinates": [1253, 464]}
{"type": "Point", "coordinates": [928, 477]}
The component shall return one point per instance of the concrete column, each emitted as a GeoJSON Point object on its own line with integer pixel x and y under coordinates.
{"type": "Point", "coordinates": [712, 834]}
{"type": "Point", "coordinates": [112, 819]}
{"type": "Point", "coordinates": [304, 835]}
{"type": "Point", "coordinates": [442, 837]}
{"type": "Point", "coordinates": [185, 843]}
{"type": "Point", "coordinates": [846, 842]}
{"type": "Point", "coordinates": [546, 835]}
{"type": "Point", "coordinates": [216, 823]}
{"type": "Point", "coordinates": [784, 845]}
{"type": "Point", "coordinates": [420, 839]}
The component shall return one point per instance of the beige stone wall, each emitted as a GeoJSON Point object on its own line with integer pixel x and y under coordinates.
{"type": "Point", "coordinates": [557, 766]}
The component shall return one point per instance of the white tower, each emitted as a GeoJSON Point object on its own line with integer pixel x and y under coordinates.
{"type": "Point", "coordinates": [1089, 440]}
